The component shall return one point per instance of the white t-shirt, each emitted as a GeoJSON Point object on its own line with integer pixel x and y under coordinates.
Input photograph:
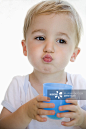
{"type": "Point", "coordinates": [20, 91]}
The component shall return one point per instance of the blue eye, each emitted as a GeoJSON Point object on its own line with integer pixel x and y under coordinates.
{"type": "Point", "coordinates": [39, 38]}
{"type": "Point", "coordinates": [61, 41]}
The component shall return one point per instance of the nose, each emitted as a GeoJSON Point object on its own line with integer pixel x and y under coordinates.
{"type": "Point", "coordinates": [49, 47]}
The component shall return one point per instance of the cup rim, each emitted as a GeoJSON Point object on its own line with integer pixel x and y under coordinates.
{"type": "Point", "coordinates": [60, 85]}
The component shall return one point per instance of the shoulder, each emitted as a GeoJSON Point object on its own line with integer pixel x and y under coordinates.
{"type": "Point", "coordinates": [18, 79]}
{"type": "Point", "coordinates": [16, 83]}
{"type": "Point", "coordinates": [78, 81]}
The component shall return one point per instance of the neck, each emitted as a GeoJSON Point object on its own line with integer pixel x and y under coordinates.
{"type": "Point", "coordinates": [41, 78]}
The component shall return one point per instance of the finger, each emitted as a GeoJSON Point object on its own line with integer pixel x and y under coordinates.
{"type": "Point", "coordinates": [45, 112]}
{"type": "Point", "coordinates": [70, 123]}
{"type": "Point", "coordinates": [71, 115]}
{"type": "Point", "coordinates": [68, 107]}
{"type": "Point", "coordinates": [42, 98]}
{"type": "Point", "coordinates": [40, 119]}
{"type": "Point", "coordinates": [45, 105]}
{"type": "Point", "coordinates": [72, 101]}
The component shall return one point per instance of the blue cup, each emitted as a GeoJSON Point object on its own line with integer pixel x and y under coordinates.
{"type": "Point", "coordinates": [57, 93]}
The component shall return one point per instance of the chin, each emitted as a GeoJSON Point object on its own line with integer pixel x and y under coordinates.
{"type": "Point", "coordinates": [47, 71]}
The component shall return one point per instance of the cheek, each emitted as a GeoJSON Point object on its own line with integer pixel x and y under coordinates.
{"type": "Point", "coordinates": [33, 54]}
{"type": "Point", "coordinates": [63, 56]}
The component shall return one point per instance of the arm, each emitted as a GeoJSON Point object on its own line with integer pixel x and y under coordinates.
{"type": "Point", "coordinates": [83, 125]}
{"type": "Point", "coordinates": [23, 116]}
{"type": "Point", "coordinates": [16, 120]}
{"type": "Point", "coordinates": [77, 115]}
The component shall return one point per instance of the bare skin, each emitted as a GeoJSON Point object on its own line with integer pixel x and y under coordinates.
{"type": "Point", "coordinates": [76, 114]}
{"type": "Point", "coordinates": [23, 116]}
{"type": "Point", "coordinates": [57, 39]}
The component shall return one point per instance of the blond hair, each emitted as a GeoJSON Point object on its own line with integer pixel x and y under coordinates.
{"type": "Point", "coordinates": [53, 6]}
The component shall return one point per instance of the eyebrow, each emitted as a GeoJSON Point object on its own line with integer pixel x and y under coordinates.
{"type": "Point", "coordinates": [61, 34]}
{"type": "Point", "coordinates": [38, 30]}
{"type": "Point", "coordinates": [43, 30]}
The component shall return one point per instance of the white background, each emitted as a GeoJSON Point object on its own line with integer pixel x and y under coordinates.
{"type": "Point", "coordinates": [12, 61]}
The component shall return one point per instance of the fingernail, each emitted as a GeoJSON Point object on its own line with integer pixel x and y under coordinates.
{"type": "Point", "coordinates": [44, 119]}
{"type": "Point", "coordinates": [60, 108]}
{"type": "Point", "coordinates": [52, 112]}
{"type": "Point", "coordinates": [48, 98]}
{"type": "Point", "coordinates": [67, 100]}
{"type": "Point", "coordinates": [62, 123]}
{"type": "Point", "coordinates": [52, 105]}
{"type": "Point", "coordinates": [58, 115]}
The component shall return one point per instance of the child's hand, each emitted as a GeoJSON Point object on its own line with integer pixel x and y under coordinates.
{"type": "Point", "coordinates": [76, 113]}
{"type": "Point", "coordinates": [35, 107]}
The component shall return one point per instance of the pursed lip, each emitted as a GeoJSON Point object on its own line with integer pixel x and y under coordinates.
{"type": "Point", "coordinates": [47, 58]}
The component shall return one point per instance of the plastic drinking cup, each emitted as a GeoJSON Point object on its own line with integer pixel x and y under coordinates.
{"type": "Point", "coordinates": [57, 93]}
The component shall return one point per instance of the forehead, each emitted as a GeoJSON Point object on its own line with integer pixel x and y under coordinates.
{"type": "Point", "coordinates": [55, 16]}
{"type": "Point", "coordinates": [53, 22]}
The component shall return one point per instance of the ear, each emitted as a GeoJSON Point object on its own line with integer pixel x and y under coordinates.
{"type": "Point", "coordinates": [24, 47]}
{"type": "Point", "coordinates": [75, 53]}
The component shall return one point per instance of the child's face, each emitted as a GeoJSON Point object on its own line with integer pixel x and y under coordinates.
{"type": "Point", "coordinates": [53, 37]}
